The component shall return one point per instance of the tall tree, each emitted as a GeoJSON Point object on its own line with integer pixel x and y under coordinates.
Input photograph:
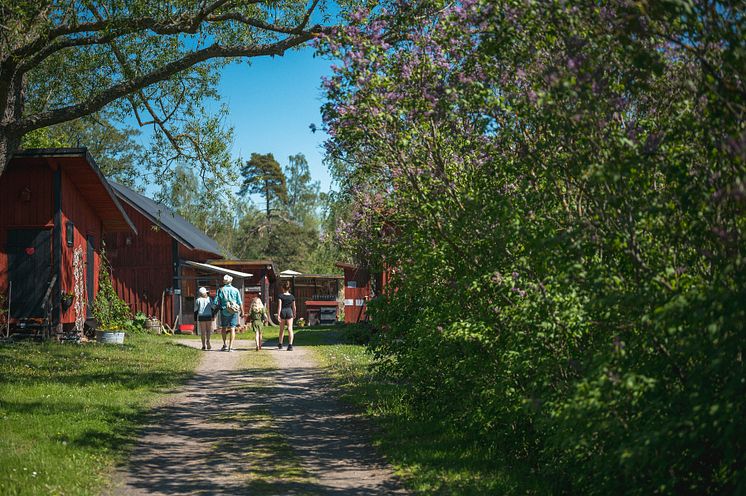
{"type": "Point", "coordinates": [61, 60]}
{"type": "Point", "coordinates": [209, 206]}
{"type": "Point", "coordinates": [303, 193]}
{"type": "Point", "coordinates": [263, 175]}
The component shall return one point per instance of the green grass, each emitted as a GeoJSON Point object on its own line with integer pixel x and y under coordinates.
{"type": "Point", "coordinates": [68, 412]}
{"type": "Point", "coordinates": [431, 458]}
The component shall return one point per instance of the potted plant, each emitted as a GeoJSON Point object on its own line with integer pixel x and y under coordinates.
{"type": "Point", "coordinates": [112, 314]}
{"type": "Point", "coordinates": [67, 300]}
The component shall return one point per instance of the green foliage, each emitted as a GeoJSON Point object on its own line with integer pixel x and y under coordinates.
{"type": "Point", "coordinates": [302, 193]}
{"type": "Point", "coordinates": [295, 234]}
{"type": "Point", "coordinates": [111, 144]}
{"type": "Point", "coordinates": [433, 456]}
{"type": "Point", "coordinates": [159, 63]}
{"type": "Point", "coordinates": [558, 192]}
{"type": "Point", "coordinates": [263, 175]}
{"type": "Point", "coordinates": [109, 309]}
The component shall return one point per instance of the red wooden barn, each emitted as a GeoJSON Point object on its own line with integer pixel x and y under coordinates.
{"type": "Point", "coordinates": [158, 271]}
{"type": "Point", "coordinates": [360, 287]}
{"type": "Point", "coordinates": [54, 203]}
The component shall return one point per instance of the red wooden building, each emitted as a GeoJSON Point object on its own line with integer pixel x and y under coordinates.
{"type": "Point", "coordinates": [158, 271]}
{"type": "Point", "coordinates": [54, 203]}
{"type": "Point", "coordinates": [360, 286]}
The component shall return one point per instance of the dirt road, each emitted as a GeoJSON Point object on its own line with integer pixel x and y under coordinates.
{"type": "Point", "coordinates": [265, 423]}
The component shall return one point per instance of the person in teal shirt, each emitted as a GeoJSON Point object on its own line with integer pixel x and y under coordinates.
{"type": "Point", "coordinates": [228, 296]}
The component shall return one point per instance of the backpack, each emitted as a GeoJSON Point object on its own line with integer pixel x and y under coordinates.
{"type": "Point", "coordinates": [230, 306]}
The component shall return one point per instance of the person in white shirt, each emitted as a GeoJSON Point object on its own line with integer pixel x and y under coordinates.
{"type": "Point", "coordinates": [203, 317]}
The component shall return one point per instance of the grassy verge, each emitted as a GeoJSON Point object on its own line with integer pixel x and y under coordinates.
{"type": "Point", "coordinates": [68, 411]}
{"type": "Point", "coordinates": [431, 458]}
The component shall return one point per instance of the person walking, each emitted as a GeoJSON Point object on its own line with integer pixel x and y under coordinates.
{"type": "Point", "coordinates": [257, 315]}
{"type": "Point", "coordinates": [286, 314]}
{"type": "Point", "coordinates": [204, 317]}
{"type": "Point", "coordinates": [228, 299]}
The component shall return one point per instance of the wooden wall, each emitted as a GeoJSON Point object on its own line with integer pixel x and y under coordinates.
{"type": "Point", "coordinates": [85, 222]}
{"type": "Point", "coordinates": [142, 266]}
{"type": "Point", "coordinates": [356, 297]}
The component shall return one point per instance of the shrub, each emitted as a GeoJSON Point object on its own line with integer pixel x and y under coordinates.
{"type": "Point", "coordinates": [558, 192]}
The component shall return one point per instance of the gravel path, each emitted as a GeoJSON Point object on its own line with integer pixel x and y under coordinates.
{"type": "Point", "coordinates": [239, 429]}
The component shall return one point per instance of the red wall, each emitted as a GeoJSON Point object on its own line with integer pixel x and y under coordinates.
{"type": "Point", "coordinates": [15, 213]}
{"type": "Point", "coordinates": [85, 222]}
{"type": "Point", "coordinates": [142, 267]}
{"type": "Point", "coordinates": [356, 311]}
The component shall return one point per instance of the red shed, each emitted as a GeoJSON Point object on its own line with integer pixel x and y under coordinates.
{"type": "Point", "coordinates": [322, 290]}
{"type": "Point", "coordinates": [360, 287]}
{"type": "Point", "coordinates": [150, 271]}
{"type": "Point", "coordinates": [56, 206]}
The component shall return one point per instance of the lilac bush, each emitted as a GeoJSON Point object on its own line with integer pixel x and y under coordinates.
{"type": "Point", "coordinates": [559, 191]}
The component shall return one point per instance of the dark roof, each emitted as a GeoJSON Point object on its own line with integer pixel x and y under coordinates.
{"type": "Point", "coordinates": [88, 179]}
{"type": "Point", "coordinates": [171, 222]}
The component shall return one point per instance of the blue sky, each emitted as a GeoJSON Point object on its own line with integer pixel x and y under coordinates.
{"type": "Point", "coordinates": [272, 102]}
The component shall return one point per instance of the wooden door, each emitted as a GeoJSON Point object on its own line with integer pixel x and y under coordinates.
{"type": "Point", "coordinates": [29, 270]}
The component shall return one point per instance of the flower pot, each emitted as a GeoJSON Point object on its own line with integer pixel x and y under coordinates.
{"type": "Point", "coordinates": [66, 301]}
{"type": "Point", "coordinates": [110, 337]}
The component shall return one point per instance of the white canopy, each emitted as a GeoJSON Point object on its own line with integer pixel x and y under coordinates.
{"type": "Point", "coordinates": [290, 273]}
{"type": "Point", "coordinates": [219, 270]}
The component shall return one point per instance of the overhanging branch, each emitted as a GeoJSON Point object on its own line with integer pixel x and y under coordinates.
{"type": "Point", "coordinates": [119, 90]}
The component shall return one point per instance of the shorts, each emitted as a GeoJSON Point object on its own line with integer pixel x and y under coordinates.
{"type": "Point", "coordinates": [229, 320]}
{"type": "Point", "coordinates": [286, 313]}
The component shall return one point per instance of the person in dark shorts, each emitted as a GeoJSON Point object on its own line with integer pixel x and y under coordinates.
{"type": "Point", "coordinates": [286, 314]}
{"type": "Point", "coordinates": [228, 296]}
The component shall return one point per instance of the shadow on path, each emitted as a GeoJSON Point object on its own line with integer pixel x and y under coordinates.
{"type": "Point", "coordinates": [254, 431]}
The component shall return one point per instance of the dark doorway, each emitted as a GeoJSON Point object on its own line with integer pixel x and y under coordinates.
{"type": "Point", "coordinates": [89, 275]}
{"type": "Point", "coordinates": [29, 270]}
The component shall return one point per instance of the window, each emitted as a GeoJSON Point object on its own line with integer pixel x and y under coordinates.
{"type": "Point", "coordinates": [69, 232]}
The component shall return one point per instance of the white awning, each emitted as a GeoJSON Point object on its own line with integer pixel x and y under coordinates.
{"type": "Point", "coordinates": [219, 270]}
{"type": "Point", "coordinates": [290, 273]}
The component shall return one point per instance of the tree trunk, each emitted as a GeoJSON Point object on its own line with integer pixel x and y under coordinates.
{"type": "Point", "coordinates": [8, 146]}
{"type": "Point", "coordinates": [11, 108]}
{"type": "Point", "coordinates": [266, 196]}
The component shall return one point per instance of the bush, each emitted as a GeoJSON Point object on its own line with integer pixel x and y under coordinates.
{"type": "Point", "coordinates": [111, 312]}
{"type": "Point", "coordinates": [557, 190]}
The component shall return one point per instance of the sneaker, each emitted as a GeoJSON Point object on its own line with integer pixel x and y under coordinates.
{"type": "Point", "coordinates": [257, 348]}
{"type": "Point", "coordinates": [209, 347]}
{"type": "Point", "coordinates": [279, 346]}
{"type": "Point", "coordinates": [290, 347]}
{"type": "Point", "coordinates": [203, 348]}
{"type": "Point", "coordinates": [225, 347]}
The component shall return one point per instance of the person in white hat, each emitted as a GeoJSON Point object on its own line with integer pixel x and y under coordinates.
{"type": "Point", "coordinates": [204, 317]}
{"type": "Point", "coordinates": [228, 300]}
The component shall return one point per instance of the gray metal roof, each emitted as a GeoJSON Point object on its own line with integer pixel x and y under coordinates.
{"type": "Point", "coordinates": [168, 220]}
